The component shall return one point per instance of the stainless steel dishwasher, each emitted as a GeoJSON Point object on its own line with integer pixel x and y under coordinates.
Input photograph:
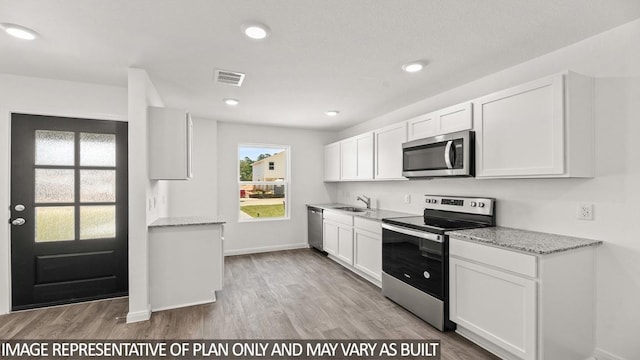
{"type": "Point", "coordinates": [314, 227]}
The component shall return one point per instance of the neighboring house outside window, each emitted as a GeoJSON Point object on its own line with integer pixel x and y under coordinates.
{"type": "Point", "coordinates": [263, 173]}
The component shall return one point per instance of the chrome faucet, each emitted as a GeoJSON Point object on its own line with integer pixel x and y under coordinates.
{"type": "Point", "coordinates": [365, 200]}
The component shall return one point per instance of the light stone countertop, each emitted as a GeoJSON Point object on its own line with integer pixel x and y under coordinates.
{"type": "Point", "coordinates": [186, 221]}
{"type": "Point", "coordinates": [523, 240]}
{"type": "Point", "coordinates": [373, 214]}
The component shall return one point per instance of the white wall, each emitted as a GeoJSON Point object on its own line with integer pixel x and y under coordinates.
{"type": "Point", "coordinates": [306, 186]}
{"type": "Point", "coordinates": [549, 205]}
{"type": "Point", "coordinates": [198, 196]}
{"type": "Point", "coordinates": [141, 94]}
{"type": "Point", "coordinates": [48, 97]}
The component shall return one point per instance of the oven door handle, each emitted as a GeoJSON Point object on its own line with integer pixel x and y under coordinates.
{"type": "Point", "coordinates": [419, 234]}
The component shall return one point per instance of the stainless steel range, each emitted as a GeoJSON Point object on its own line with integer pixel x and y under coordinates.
{"type": "Point", "coordinates": [415, 254]}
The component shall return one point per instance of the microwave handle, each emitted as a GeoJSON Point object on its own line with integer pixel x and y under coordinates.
{"type": "Point", "coordinates": [447, 154]}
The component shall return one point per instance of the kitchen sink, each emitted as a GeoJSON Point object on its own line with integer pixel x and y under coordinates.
{"type": "Point", "coordinates": [351, 209]}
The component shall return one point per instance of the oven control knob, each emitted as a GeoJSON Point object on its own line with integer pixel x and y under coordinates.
{"type": "Point", "coordinates": [473, 204]}
{"type": "Point", "coordinates": [480, 204]}
{"type": "Point", "coordinates": [427, 275]}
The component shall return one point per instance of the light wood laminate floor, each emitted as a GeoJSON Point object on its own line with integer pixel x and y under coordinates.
{"type": "Point", "coordinates": [297, 294]}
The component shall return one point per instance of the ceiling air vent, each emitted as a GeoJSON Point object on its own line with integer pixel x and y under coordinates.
{"type": "Point", "coordinates": [229, 77]}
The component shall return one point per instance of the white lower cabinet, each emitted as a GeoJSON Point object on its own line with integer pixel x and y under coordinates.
{"type": "Point", "coordinates": [523, 306]}
{"type": "Point", "coordinates": [186, 265]}
{"type": "Point", "coordinates": [368, 247]}
{"type": "Point", "coordinates": [330, 233]}
{"type": "Point", "coordinates": [508, 319]}
{"type": "Point", "coordinates": [345, 244]}
{"type": "Point", "coordinates": [355, 243]}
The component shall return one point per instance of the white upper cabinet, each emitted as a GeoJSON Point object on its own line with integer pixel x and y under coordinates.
{"type": "Point", "coordinates": [170, 144]}
{"type": "Point", "coordinates": [454, 118]}
{"type": "Point", "coordinates": [388, 151]}
{"type": "Point", "coordinates": [543, 128]}
{"type": "Point", "coordinates": [422, 126]}
{"type": "Point", "coordinates": [356, 155]}
{"type": "Point", "coordinates": [332, 162]}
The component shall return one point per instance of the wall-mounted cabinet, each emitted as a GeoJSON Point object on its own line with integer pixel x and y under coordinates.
{"type": "Point", "coordinates": [388, 151]}
{"type": "Point", "coordinates": [454, 118]}
{"type": "Point", "coordinates": [170, 144]}
{"type": "Point", "coordinates": [356, 157]}
{"type": "Point", "coordinates": [540, 129]}
{"type": "Point", "coordinates": [543, 128]}
{"type": "Point", "coordinates": [332, 162]}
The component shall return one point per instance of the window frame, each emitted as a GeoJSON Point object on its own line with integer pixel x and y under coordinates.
{"type": "Point", "coordinates": [286, 182]}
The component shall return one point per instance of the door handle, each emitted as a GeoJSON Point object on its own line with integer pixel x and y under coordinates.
{"type": "Point", "coordinates": [447, 154]}
{"type": "Point", "coordinates": [18, 222]}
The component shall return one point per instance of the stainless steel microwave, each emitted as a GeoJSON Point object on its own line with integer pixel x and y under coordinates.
{"type": "Point", "coordinates": [439, 156]}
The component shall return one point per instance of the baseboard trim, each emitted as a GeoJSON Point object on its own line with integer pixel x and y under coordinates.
{"type": "Point", "coordinates": [138, 316]}
{"type": "Point", "coordinates": [266, 249]}
{"type": "Point", "coordinates": [600, 354]}
{"type": "Point", "coordinates": [163, 308]}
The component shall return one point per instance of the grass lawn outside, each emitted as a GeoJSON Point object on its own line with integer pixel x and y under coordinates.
{"type": "Point", "coordinates": [263, 211]}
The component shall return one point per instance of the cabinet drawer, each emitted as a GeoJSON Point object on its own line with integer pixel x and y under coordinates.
{"type": "Point", "coordinates": [367, 225]}
{"type": "Point", "coordinates": [338, 217]}
{"type": "Point", "coordinates": [516, 262]}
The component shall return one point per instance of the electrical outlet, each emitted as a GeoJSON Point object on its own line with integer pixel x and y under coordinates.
{"type": "Point", "coordinates": [407, 199]}
{"type": "Point", "coordinates": [584, 211]}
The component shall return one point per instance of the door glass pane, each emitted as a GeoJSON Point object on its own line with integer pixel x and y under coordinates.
{"type": "Point", "coordinates": [54, 147]}
{"type": "Point", "coordinates": [54, 185]}
{"type": "Point", "coordinates": [97, 149]}
{"type": "Point", "coordinates": [97, 222]}
{"type": "Point", "coordinates": [97, 185]}
{"type": "Point", "coordinates": [55, 223]}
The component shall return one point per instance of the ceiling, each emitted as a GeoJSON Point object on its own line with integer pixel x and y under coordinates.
{"type": "Point", "coordinates": [322, 55]}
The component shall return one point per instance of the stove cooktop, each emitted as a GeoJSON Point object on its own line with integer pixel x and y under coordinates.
{"type": "Point", "coordinates": [433, 224]}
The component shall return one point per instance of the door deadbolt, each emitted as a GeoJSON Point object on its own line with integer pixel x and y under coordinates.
{"type": "Point", "coordinates": [19, 207]}
{"type": "Point", "coordinates": [18, 222]}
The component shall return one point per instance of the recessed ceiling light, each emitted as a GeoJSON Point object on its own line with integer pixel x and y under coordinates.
{"type": "Point", "coordinates": [18, 31]}
{"type": "Point", "coordinates": [332, 113]}
{"type": "Point", "coordinates": [413, 66]}
{"type": "Point", "coordinates": [256, 31]}
{"type": "Point", "coordinates": [231, 102]}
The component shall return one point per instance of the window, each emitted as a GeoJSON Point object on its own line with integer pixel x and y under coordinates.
{"type": "Point", "coordinates": [263, 182]}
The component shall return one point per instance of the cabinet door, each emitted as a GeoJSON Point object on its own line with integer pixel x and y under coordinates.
{"type": "Point", "coordinates": [330, 237]}
{"type": "Point", "coordinates": [170, 143]}
{"type": "Point", "coordinates": [422, 126]}
{"type": "Point", "coordinates": [356, 156]}
{"type": "Point", "coordinates": [368, 253]}
{"type": "Point", "coordinates": [455, 118]}
{"type": "Point", "coordinates": [365, 156]}
{"type": "Point", "coordinates": [495, 305]}
{"type": "Point", "coordinates": [345, 244]}
{"type": "Point", "coordinates": [332, 162]}
{"type": "Point", "coordinates": [388, 151]}
{"type": "Point", "coordinates": [349, 159]}
{"type": "Point", "coordinates": [520, 131]}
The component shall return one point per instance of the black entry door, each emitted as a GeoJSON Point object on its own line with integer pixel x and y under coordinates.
{"type": "Point", "coordinates": [68, 210]}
